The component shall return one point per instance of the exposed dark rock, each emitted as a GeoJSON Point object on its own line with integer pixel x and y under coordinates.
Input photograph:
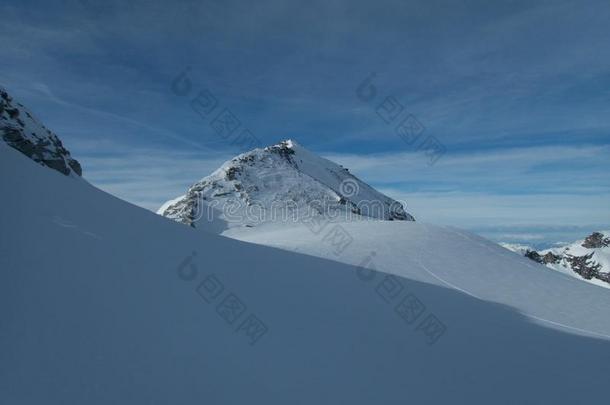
{"type": "Point", "coordinates": [20, 130]}
{"type": "Point", "coordinates": [76, 166]}
{"type": "Point", "coordinates": [602, 276]}
{"type": "Point", "coordinates": [595, 241]}
{"type": "Point", "coordinates": [584, 266]}
{"type": "Point", "coordinates": [12, 112]}
{"type": "Point", "coordinates": [551, 258]}
{"type": "Point", "coordinates": [232, 172]}
{"type": "Point", "coordinates": [533, 255]}
{"type": "Point", "coordinates": [283, 149]}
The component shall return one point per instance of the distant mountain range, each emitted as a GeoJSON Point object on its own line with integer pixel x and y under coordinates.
{"type": "Point", "coordinates": [587, 259]}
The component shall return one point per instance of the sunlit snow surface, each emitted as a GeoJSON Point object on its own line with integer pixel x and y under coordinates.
{"type": "Point", "coordinates": [452, 258]}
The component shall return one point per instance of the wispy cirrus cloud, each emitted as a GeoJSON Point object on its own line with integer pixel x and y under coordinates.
{"type": "Point", "coordinates": [552, 185]}
{"type": "Point", "coordinates": [546, 169]}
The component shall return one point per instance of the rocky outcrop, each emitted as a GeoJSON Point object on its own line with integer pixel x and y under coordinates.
{"type": "Point", "coordinates": [20, 130]}
{"type": "Point", "coordinates": [584, 266]}
{"type": "Point", "coordinates": [595, 241]}
{"type": "Point", "coordinates": [588, 258]}
{"type": "Point", "coordinates": [551, 258]}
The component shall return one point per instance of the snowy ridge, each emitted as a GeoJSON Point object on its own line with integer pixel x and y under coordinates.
{"type": "Point", "coordinates": [283, 179]}
{"type": "Point", "coordinates": [516, 247]}
{"type": "Point", "coordinates": [586, 259]}
{"type": "Point", "coordinates": [22, 131]}
{"type": "Point", "coordinates": [596, 247]}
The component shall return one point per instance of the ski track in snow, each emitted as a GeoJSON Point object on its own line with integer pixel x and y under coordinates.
{"type": "Point", "coordinates": [442, 280]}
{"type": "Point", "coordinates": [59, 221]}
{"type": "Point", "coordinates": [451, 285]}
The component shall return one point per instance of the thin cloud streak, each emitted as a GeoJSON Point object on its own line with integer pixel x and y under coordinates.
{"type": "Point", "coordinates": [568, 170]}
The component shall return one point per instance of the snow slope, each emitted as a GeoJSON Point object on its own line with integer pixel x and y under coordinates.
{"type": "Point", "coordinates": [279, 181]}
{"type": "Point", "coordinates": [97, 306]}
{"type": "Point", "coordinates": [452, 258]}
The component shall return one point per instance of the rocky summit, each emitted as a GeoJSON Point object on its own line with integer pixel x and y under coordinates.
{"type": "Point", "coordinates": [282, 179]}
{"type": "Point", "coordinates": [22, 131]}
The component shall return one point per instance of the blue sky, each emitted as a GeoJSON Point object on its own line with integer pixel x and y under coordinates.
{"type": "Point", "coordinates": [518, 92]}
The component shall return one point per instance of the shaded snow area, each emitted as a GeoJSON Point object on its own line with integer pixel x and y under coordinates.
{"type": "Point", "coordinates": [283, 182]}
{"type": "Point", "coordinates": [102, 302]}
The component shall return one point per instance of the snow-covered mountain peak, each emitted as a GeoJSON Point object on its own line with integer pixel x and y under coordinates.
{"type": "Point", "coordinates": [587, 259]}
{"type": "Point", "coordinates": [22, 131]}
{"type": "Point", "coordinates": [281, 181]}
{"type": "Point", "coordinates": [289, 143]}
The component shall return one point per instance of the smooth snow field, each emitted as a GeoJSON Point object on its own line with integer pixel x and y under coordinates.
{"type": "Point", "coordinates": [452, 258]}
{"type": "Point", "coordinates": [102, 302]}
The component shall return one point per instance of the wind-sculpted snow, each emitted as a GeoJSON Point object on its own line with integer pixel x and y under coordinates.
{"type": "Point", "coordinates": [284, 182]}
{"type": "Point", "coordinates": [22, 131]}
{"type": "Point", "coordinates": [102, 302]}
